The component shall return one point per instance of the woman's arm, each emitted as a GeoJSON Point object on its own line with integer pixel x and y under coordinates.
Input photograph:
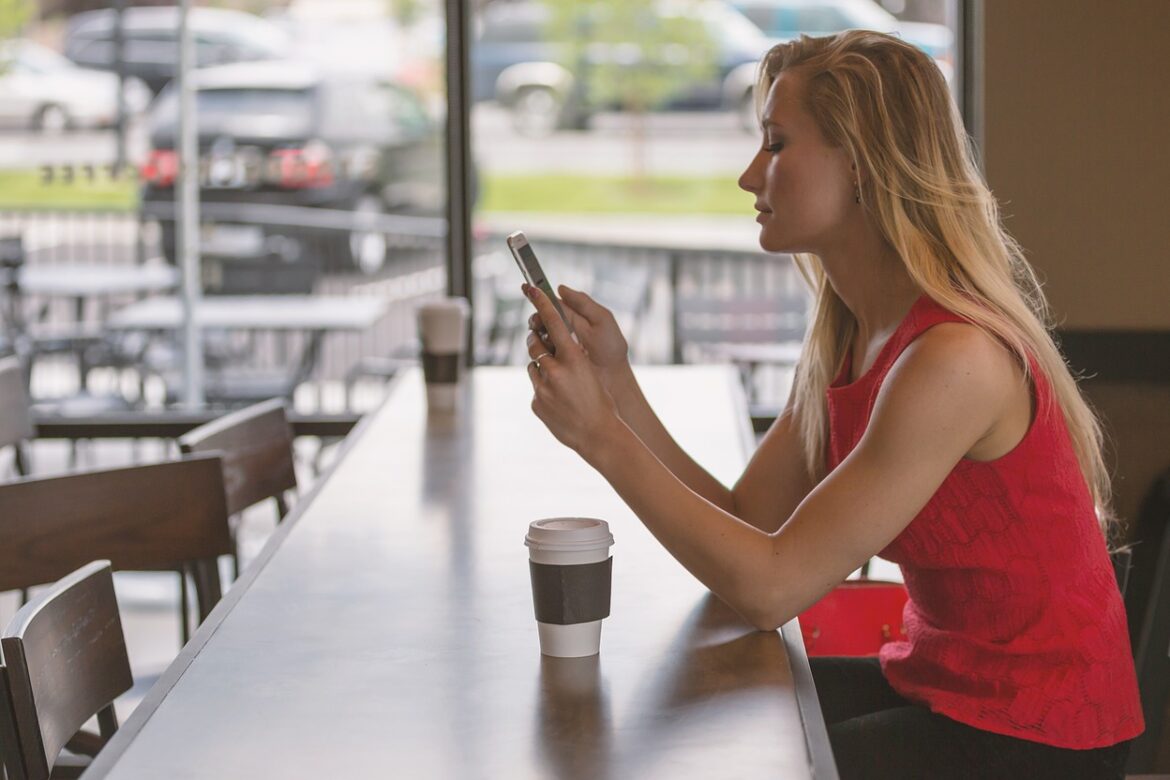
{"type": "Point", "coordinates": [944, 395]}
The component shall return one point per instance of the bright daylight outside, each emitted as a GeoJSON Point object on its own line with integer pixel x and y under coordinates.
{"type": "Point", "coordinates": [611, 131]}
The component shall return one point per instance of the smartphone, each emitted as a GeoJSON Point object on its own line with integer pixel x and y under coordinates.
{"type": "Point", "coordinates": [533, 273]}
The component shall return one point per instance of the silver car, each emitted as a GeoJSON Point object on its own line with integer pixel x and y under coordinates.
{"type": "Point", "coordinates": [41, 89]}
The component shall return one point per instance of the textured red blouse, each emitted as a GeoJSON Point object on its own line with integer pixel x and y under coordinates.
{"type": "Point", "coordinates": [1015, 624]}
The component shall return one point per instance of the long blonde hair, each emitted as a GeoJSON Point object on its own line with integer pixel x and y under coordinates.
{"type": "Point", "coordinates": [887, 105]}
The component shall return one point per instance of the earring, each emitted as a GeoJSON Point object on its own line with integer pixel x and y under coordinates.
{"type": "Point", "coordinates": [857, 195]}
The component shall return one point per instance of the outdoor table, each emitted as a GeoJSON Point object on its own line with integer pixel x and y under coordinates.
{"type": "Point", "coordinates": [78, 282]}
{"type": "Point", "coordinates": [254, 312]}
{"type": "Point", "coordinates": [316, 315]}
{"type": "Point", "coordinates": [387, 629]}
{"type": "Point", "coordinates": [90, 280]}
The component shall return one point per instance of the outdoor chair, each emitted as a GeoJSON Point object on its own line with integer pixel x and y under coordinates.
{"type": "Point", "coordinates": [750, 332]}
{"type": "Point", "coordinates": [255, 446]}
{"type": "Point", "coordinates": [64, 662]}
{"type": "Point", "coordinates": [161, 517]}
{"type": "Point", "coordinates": [16, 425]}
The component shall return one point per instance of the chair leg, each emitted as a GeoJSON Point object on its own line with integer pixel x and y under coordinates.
{"type": "Point", "coordinates": [184, 608]}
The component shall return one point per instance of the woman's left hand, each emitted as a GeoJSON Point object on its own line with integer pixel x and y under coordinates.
{"type": "Point", "coordinates": [568, 394]}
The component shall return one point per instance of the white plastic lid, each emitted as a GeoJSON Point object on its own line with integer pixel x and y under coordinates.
{"type": "Point", "coordinates": [568, 534]}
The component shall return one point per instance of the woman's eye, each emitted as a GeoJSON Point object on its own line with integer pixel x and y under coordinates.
{"type": "Point", "coordinates": [774, 147]}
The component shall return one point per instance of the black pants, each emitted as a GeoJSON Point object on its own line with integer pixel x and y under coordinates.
{"type": "Point", "coordinates": [875, 733]}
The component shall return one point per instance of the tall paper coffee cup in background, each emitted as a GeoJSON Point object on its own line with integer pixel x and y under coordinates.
{"type": "Point", "coordinates": [442, 331]}
{"type": "Point", "coordinates": [568, 558]}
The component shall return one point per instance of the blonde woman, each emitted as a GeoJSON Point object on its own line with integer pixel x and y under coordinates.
{"type": "Point", "coordinates": [932, 421]}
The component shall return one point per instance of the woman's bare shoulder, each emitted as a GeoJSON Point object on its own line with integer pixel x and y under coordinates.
{"type": "Point", "coordinates": [961, 359]}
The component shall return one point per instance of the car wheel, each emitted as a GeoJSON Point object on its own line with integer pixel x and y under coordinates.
{"type": "Point", "coordinates": [536, 111]}
{"type": "Point", "coordinates": [368, 247]}
{"type": "Point", "coordinates": [51, 119]}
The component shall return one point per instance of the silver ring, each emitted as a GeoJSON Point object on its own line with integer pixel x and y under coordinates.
{"type": "Point", "coordinates": [536, 360]}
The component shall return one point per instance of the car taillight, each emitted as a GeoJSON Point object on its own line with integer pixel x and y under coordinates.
{"type": "Point", "coordinates": [301, 167]}
{"type": "Point", "coordinates": [161, 167]}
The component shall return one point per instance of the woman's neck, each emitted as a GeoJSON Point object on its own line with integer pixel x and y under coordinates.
{"type": "Point", "coordinates": [874, 285]}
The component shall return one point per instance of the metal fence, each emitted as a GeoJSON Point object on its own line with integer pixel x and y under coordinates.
{"type": "Point", "coordinates": [674, 302]}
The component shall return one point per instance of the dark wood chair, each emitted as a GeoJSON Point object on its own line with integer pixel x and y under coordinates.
{"type": "Point", "coordinates": [161, 517]}
{"type": "Point", "coordinates": [1152, 659]}
{"type": "Point", "coordinates": [64, 662]}
{"type": "Point", "coordinates": [16, 425]}
{"type": "Point", "coordinates": [255, 446]}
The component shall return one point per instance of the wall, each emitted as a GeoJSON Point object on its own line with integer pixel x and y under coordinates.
{"type": "Point", "coordinates": [1076, 129]}
{"type": "Point", "coordinates": [1076, 133]}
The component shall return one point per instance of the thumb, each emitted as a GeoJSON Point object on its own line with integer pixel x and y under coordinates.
{"type": "Point", "coordinates": [589, 309]}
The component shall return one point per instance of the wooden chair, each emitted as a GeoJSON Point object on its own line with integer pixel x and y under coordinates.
{"type": "Point", "coordinates": [255, 447]}
{"type": "Point", "coordinates": [64, 662]}
{"type": "Point", "coordinates": [16, 426]}
{"type": "Point", "coordinates": [160, 517]}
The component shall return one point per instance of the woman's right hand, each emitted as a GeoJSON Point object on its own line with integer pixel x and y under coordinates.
{"type": "Point", "coordinates": [597, 331]}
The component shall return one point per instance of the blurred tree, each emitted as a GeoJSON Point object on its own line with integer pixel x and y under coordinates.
{"type": "Point", "coordinates": [405, 12]}
{"type": "Point", "coordinates": [14, 15]}
{"type": "Point", "coordinates": [634, 55]}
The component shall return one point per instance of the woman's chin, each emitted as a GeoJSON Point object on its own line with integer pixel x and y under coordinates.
{"type": "Point", "coordinates": [771, 243]}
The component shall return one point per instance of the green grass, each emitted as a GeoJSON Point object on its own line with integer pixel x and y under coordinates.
{"type": "Point", "coordinates": [554, 193]}
{"type": "Point", "coordinates": [559, 193]}
{"type": "Point", "coordinates": [21, 189]}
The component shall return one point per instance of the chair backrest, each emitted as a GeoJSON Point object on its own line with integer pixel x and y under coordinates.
{"type": "Point", "coordinates": [15, 419]}
{"type": "Point", "coordinates": [1152, 660]}
{"type": "Point", "coordinates": [255, 445]}
{"type": "Point", "coordinates": [158, 517]}
{"type": "Point", "coordinates": [736, 320]}
{"type": "Point", "coordinates": [64, 662]}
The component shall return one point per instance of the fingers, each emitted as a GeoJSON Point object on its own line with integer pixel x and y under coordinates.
{"type": "Point", "coordinates": [537, 327]}
{"type": "Point", "coordinates": [537, 344]}
{"type": "Point", "coordinates": [557, 330]}
{"type": "Point", "coordinates": [590, 310]}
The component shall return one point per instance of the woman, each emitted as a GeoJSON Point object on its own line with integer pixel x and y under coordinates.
{"type": "Point", "coordinates": [932, 421]}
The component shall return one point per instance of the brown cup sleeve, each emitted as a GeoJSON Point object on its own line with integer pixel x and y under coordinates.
{"type": "Point", "coordinates": [568, 594]}
{"type": "Point", "coordinates": [440, 369]}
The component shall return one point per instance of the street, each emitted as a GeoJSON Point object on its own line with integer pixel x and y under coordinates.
{"type": "Point", "coordinates": [676, 143]}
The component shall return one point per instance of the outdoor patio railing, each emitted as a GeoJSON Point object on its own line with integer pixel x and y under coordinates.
{"type": "Point", "coordinates": [652, 285]}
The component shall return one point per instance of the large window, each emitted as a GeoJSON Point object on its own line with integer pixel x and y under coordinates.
{"type": "Point", "coordinates": [613, 133]}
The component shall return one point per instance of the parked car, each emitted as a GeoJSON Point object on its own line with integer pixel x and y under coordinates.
{"type": "Point", "coordinates": [151, 35]}
{"type": "Point", "coordinates": [41, 89]}
{"type": "Point", "coordinates": [785, 20]}
{"type": "Point", "coordinates": [289, 134]}
{"type": "Point", "coordinates": [514, 62]}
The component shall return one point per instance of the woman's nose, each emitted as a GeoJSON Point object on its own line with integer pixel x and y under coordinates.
{"type": "Point", "coordinates": [749, 180]}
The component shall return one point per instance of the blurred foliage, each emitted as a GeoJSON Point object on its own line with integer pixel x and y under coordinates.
{"type": "Point", "coordinates": [405, 12]}
{"type": "Point", "coordinates": [633, 54]}
{"type": "Point", "coordinates": [14, 15]}
{"type": "Point", "coordinates": [575, 194]}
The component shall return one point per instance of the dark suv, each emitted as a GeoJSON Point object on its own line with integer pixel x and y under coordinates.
{"type": "Point", "coordinates": [276, 137]}
{"type": "Point", "coordinates": [515, 62]}
{"type": "Point", "coordinates": [151, 35]}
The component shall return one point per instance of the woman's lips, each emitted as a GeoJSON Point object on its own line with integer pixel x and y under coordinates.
{"type": "Point", "coordinates": [760, 217]}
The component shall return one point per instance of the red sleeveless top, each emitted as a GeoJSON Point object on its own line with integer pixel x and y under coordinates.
{"type": "Point", "coordinates": [1015, 624]}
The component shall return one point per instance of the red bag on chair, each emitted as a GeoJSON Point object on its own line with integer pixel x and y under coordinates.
{"type": "Point", "coordinates": [855, 618]}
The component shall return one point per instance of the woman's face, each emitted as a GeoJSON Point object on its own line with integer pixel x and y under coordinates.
{"type": "Point", "coordinates": [804, 188]}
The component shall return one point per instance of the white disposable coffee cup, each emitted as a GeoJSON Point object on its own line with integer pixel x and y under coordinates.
{"type": "Point", "coordinates": [442, 331]}
{"type": "Point", "coordinates": [571, 579]}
